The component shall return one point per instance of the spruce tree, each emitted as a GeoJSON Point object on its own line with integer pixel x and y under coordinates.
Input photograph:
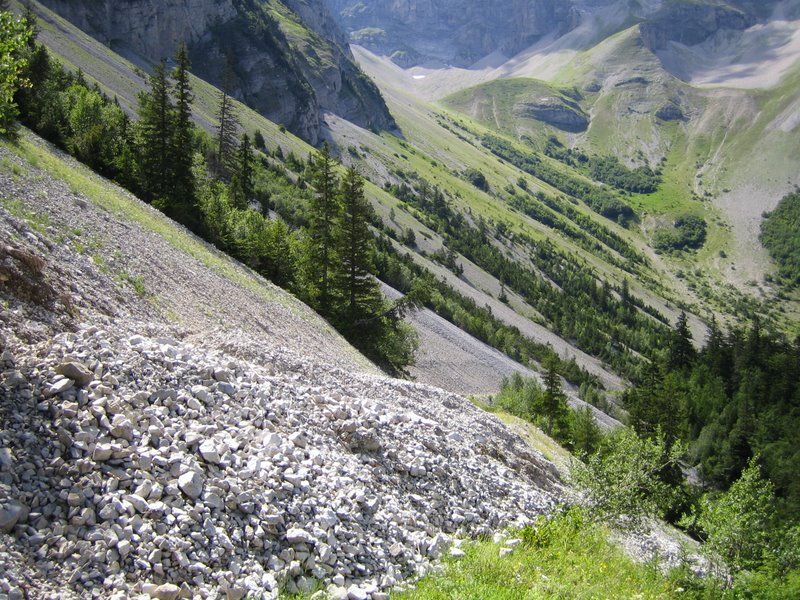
{"type": "Point", "coordinates": [681, 352]}
{"type": "Point", "coordinates": [182, 196]}
{"type": "Point", "coordinates": [323, 220]}
{"type": "Point", "coordinates": [553, 401]}
{"type": "Point", "coordinates": [356, 289]}
{"type": "Point", "coordinates": [242, 188]}
{"type": "Point", "coordinates": [155, 136]}
{"type": "Point", "coordinates": [227, 130]}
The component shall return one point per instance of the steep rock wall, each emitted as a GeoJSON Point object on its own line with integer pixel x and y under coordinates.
{"type": "Point", "coordinates": [265, 44]}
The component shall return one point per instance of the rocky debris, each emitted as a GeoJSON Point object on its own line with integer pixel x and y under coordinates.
{"type": "Point", "coordinates": [179, 470]}
{"type": "Point", "coordinates": [77, 372]}
{"type": "Point", "coordinates": [556, 111]}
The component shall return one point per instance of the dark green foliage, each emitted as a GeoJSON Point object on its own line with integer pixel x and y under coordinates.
{"type": "Point", "coordinates": [736, 398]}
{"type": "Point", "coordinates": [688, 231]}
{"type": "Point", "coordinates": [780, 234]}
{"type": "Point", "coordinates": [181, 204]}
{"type": "Point", "coordinates": [599, 200]}
{"type": "Point", "coordinates": [553, 402]}
{"type": "Point", "coordinates": [357, 291]}
{"type": "Point", "coordinates": [228, 127]}
{"type": "Point", "coordinates": [680, 353]}
{"type": "Point", "coordinates": [242, 186]}
{"type": "Point", "coordinates": [476, 178]}
{"type": "Point", "coordinates": [258, 140]}
{"type": "Point", "coordinates": [609, 170]}
{"type": "Point", "coordinates": [323, 215]}
{"type": "Point", "coordinates": [154, 137]}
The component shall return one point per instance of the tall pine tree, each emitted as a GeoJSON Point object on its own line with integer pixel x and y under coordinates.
{"type": "Point", "coordinates": [357, 290]}
{"type": "Point", "coordinates": [242, 183]}
{"type": "Point", "coordinates": [182, 194]}
{"type": "Point", "coordinates": [323, 220]}
{"type": "Point", "coordinates": [227, 129]}
{"type": "Point", "coordinates": [681, 352]}
{"type": "Point", "coordinates": [553, 401]}
{"type": "Point", "coordinates": [155, 136]}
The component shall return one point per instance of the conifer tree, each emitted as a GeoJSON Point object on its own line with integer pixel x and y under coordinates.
{"type": "Point", "coordinates": [356, 288]}
{"type": "Point", "coordinates": [227, 129]}
{"type": "Point", "coordinates": [553, 401]}
{"type": "Point", "coordinates": [182, 196]}
{"type": "Point", "coordinates": [323, 219]}
{"type": "Point", "coordinates": [681, 352]}
{"type": "Point", "coordinates": [242, 184]}
{"type": "Point", "coordinates": [155, 136]}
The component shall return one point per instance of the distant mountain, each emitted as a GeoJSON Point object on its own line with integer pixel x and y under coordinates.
{"type": "Point", "coordinates": [289, 60]}
{"type": "Point", "coordinates": [456, 32]}
{"type": "Point", "coordinates": [463, 32]}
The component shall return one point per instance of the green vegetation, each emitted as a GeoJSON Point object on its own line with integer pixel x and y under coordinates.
{"type": "Point", "coordinates": [731, 401]}
{"type": "Point", "coordinates": [599, 200]}
{"type": "Point", "coordinates": [14, 35]}
{"type": "Point", "coordinates": [687, 232]}
{"type": "Point", "coordinates": [780, 234]}
{"type": "Point", "coordinates": [564, 556]}
{"type": "Point", "coordinates": [565, 291]}
{"type": "Point", "coordinates": [165, 160]}
{"type": "Point", "coordinates": [624, 480]}
{"type": "Point", "coordinates": [608, 169]}
{"type": "Point", "coordinates": [547, 408]}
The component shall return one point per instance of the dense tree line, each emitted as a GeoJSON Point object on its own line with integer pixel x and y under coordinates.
{"type": "Point", "coordinates": [611, 326]}
{"type": "Point", "coordinates": [780, 234]}
{"type": "Point", "coordinates": [608, 169]}
{"type": "Point", "coordinates": [401, 272]}
{"type": "Point", "coordinates": [599, 200]}
{"type": "Point", "coordinates": [221, 188]}
{"type": "Point", "coordinates": [737, 398]}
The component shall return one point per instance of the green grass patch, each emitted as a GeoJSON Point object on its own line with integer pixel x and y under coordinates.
{"type": "Point", "coordinates": [563, 557]}
{"type": "Point", "coordinates": [38, 221]}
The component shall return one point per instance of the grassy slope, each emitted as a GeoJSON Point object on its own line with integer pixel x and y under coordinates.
{"type": "Point", "coordinates": [732, 140]}
{"type": "Point", "coordinates": [571, 561]}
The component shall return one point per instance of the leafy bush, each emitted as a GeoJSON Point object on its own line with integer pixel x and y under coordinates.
{"type": "Point", "coordinates": [622, 480]}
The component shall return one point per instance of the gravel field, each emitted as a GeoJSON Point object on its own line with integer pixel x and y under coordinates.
{"type": "Point", "coordinates": [172, 425]}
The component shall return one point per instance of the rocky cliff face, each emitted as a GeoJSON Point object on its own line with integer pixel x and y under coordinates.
{"type": "Point", "coordinates": [691, 22]}
{"type": "Point", "coordinates": [458, 32]}
{"type": "Point", "coordinates": [290, 66]}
